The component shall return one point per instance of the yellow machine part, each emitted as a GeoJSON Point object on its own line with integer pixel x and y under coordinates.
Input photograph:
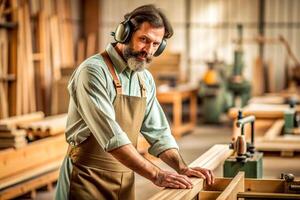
{"type": "Point", "coordinates": [211, 77]}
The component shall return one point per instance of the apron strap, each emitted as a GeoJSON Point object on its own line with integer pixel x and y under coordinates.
{"type": "Point", "coordinates": [111, 69]}
{"type": "Point", "coordinates": [142, 85]}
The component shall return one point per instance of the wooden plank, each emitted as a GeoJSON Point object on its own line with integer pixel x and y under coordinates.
{"type": "Point", "coordinates": [263, 195]}
{"type": "Point", "coordinates": [80, 51]}
{"type": "Point", "coordinates": [264, 185]}
{"type": "Point", "coordinates": [29, 56]}
{"type": "Point", "coordinates": [266, 111]}
{"type": "Point", "coordinates": [55, 50]}
{"type": "Point", "coordinates": [13, 122]}
{"type": "Point", "coordinates": [44, 48]}
{"type": "Point", "coordinates": [13, 60]}
{"type": "Point", "coordinates": [3, 72]}
{"type": "Point", "coordinates": [32, 172]}
{"type": "Point", "coordinates": [27, 186]}
{"type": "Point", "coordinates": [275, 130]}
{"type": "Point", "coordinates": [234, 187]}
{"type": "Point", "coordinates": [91, 44]}
{"type": "Point", "coordinates": [209, 195]}
{"type": "Point", "coordinates": [48, 126]}
{"type": "Point", "coordinates": [2, 7]}
{"type": "Point", "coordinates": [14, 161]}
{"type": "Point", "coordinates": [277, 147]}
{"type": "Point", "coordinates": [258, 82]}
{"type": "Point", "coordinates": [210, 159]}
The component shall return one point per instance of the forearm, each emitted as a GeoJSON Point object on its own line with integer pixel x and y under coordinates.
{"type": "Point", "coordinates": [173, 159]}
{"type": "Point", "coordinates": [129, 157]}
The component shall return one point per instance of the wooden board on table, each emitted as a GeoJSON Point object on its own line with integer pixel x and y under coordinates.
{"type": "Point", "coordinates": [211, 159]}
{"type": "Point", "coordinates": [266, 111]}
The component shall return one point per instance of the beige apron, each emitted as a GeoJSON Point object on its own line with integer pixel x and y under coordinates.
{"type": "Point", "coordinates": [97, 174]}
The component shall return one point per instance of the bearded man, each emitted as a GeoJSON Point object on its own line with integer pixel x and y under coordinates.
{"type": "Point", "coordinates": [112, 101]}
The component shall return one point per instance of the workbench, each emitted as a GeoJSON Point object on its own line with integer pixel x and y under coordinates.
{"type": "Point", "coordinates": [227, 188]}
{"type": "Point", "coordinates": [176, 96]}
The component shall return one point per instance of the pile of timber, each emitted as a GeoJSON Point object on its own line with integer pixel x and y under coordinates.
{"type": "Point", "coordinates": [15, 131]}
{"type": "Point", "coordinates": [36, 165]}
{"type": "Point", "coordinates": [11, 135]}
{"type": "Point", "coordinates": [45, 127]}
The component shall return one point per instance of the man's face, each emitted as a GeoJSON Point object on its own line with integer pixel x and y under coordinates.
{"type": "Point", "coordinates": [143, 44]}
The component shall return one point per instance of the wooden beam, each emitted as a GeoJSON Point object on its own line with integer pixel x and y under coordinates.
{"type": "Point", "coordinates": [48, 126]}
{"type": "Point", "coordinates": [263, 195]}
{"type": "Point", "coordinates": [209, 195]}
{"type": "Point", "coordinates": [235, 186]}
{"type": "Point", "coordinates": [266, 111]}
{"type": "Point", "coordinates": [29, 185]}
{"type": "Point", "coordinates": [13, 122]}
{"type": "Point", "coordinates": [275, 130]}
{"type": "Point", "coordinates": [14, 161]}
{"type": "Point", "coordinates": [211, 159]}
{"type": "Point", "coordinates": [12, 86]}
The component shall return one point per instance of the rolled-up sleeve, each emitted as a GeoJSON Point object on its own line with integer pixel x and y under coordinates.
{"type": "Point", "coordinates": [91, 97]}
{"type": "Point", "coordinates": [155, 128]}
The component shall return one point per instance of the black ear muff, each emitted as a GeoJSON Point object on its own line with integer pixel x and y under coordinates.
{"type": "Point", "coordinates": [161, 47]}
{"type": "Point", "coordinates": [123, 32]}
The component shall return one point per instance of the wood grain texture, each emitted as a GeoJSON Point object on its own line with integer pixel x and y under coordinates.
{"type": "Point", "coordinates": [211, 159]}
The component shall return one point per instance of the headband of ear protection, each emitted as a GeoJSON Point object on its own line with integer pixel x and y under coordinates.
{"type": "Point", "coordinates": [124, 31]}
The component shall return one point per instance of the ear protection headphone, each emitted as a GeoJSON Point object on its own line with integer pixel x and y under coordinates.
{"type": "Point", "coordinates": [124, 31]}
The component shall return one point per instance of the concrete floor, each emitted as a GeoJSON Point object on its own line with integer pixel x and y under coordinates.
{"type": "Point", "coordinates": [192, 145]}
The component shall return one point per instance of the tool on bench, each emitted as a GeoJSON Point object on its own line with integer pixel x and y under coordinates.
{"type": "Point", "coordinates": [290, 185]}
{"type": "Point", "coordinates": [246, 158]}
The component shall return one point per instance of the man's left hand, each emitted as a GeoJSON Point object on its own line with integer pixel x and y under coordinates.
{"type": "Point", "coordinates": [199, 172]}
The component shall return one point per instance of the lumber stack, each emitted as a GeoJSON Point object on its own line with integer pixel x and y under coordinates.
{"type": "Point", "coordinates": [10, 135]}
{"type": "Point", "coordinates": [30, 167]}
{"type": "Point", "coordinates": [36, 49]}
{"type": "Point", "coordinates": [45, 127]}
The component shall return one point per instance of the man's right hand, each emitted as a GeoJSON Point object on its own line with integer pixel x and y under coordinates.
{"type": "Point", "coordinates": [172, 180]}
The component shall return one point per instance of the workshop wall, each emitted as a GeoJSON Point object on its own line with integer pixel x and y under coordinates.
{"type": "Point", "coordinates": [203, 27]}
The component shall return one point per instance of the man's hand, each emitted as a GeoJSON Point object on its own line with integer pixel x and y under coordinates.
{"type": "Point", "coordinates": [172, 180]}
{"type": "Point", "coordinates": [199, 172]}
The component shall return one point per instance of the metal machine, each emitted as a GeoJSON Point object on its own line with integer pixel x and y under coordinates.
{"type": "Point", "coordinates": [246, 158]}
{"type": "Point", "coordinates": [223, 88]}
{"type": "Point", "coordinates": [237, 85]}
{"type": "Point", "coordinates": [291, 118]}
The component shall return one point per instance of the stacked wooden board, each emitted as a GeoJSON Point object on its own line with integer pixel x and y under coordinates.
{"type": "Point", "coordinates": [45, 127]}
{"type": "Point", "coordinates": [35, 164]}
{"type": "Point", "coordinates": [10, 135]}
{"type": "Point", "coordinates": [15, 130]}
{"type": "Point", "coordinates": [37, 50]}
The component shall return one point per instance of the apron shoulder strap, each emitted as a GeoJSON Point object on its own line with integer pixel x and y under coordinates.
{"type": "Point", "coordinates": [111, 69]}
{"type": "Point", "coordinates": [142, 84]}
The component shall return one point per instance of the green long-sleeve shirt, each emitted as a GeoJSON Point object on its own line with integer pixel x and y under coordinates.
{"type": "Point", "coordinates": [91, 108]}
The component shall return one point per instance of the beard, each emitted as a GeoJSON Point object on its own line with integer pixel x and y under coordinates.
{"type": "Point", "coordinates": [133, 61]}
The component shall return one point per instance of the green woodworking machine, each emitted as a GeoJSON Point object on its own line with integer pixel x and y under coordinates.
{"type": "Point", "coordinates": [245, 158]}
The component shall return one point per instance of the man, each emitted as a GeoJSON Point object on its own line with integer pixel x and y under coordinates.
{"type": "Point", "coordinates": [113, 100]}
